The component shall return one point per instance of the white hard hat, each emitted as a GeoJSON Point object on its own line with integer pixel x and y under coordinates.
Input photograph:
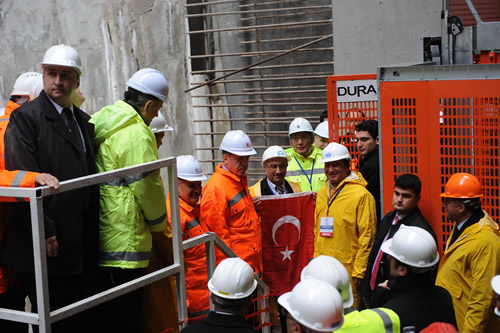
{"type": "Point", "coordinates": [495, 284]}
{"type": "Point", "coordinates": [151, 82]}
{"type": "Point", "coordinates": [238, 143]}
{"type": "Point", "coordinates": [232, 279]}
{"type": "Point", "coordinates": [299, 125]}
{"type": "Point", "coordinates": [413, 246]}
{"type": "Point", "coordinates": [62, 55]}
{"type": "Point", "coordinates": [272, 152]}
{"type": "Point", "coordinates": [330, 270]}
{"type": "Point", "coordinates": [26, 84]}
{"type": "Point", "coordinates": [159, 124]}
{"type": "Point", "coordinates": [322, 129]}
{"type": "Point", "coordinates": [335, 152]}
{"type": "Point", "coordinates": [314, 304]}
{"type": "Point", "coordinates": [188, 168]}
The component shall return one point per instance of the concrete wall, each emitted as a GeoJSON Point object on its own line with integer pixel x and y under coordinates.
{"type": "Point", "coordinates": [368, 34]}
{"type": "Point", "coordinates": [114, 38]}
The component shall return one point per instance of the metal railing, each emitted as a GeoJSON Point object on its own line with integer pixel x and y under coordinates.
{"type": "Point", "coordinates": [44, 318]}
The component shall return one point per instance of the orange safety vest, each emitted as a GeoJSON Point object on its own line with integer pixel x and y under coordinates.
{"type": "Point", "coordinates": [4, 121]}
{"type": "Point", "coordinates": [9, 179]}
{"type": "Point", "coordinates": [195, 258]}
{"type": "Point", "coordinates": [227, 209]}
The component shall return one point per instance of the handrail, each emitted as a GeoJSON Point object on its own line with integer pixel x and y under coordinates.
{"type": "Point", "coordinates": [44, 318]}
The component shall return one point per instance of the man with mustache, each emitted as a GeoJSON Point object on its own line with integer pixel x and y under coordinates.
{"type": "Point", "coordinates": [226, 205]}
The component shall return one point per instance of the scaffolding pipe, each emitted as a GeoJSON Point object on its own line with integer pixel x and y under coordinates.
{"type": "Point", "coordinates": [258, 63]}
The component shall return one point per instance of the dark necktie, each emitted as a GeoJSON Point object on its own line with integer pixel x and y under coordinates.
{"type": "Point", "coordinates": [280, 189]}
{"type": "Point", "coordinates": [73, 128]}
{"type": "Point", "coordinates": [379, 256]}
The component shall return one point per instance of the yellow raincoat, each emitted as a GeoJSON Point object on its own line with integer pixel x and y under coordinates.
{"type": "Point", "coordinates": [466, 269]}
{"type": "Point", "coordinates": [354, 224]}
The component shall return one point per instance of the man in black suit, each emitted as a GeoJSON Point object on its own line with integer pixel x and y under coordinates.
{"type": "Point", "coordinates": [367, 143]}
{"type": "Point", "coordinates": [51, 135]}
{"type": "Point", "coordinates": [405, 203]}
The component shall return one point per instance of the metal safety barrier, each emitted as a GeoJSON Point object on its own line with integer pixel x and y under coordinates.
{"type": "Point", "coordinates": [44, 318]}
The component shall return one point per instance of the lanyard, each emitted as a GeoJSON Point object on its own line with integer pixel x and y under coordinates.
{"type": "Point", "coordinates": [330, 202]}
{"type": "Point", "coordinates": [304, 172]}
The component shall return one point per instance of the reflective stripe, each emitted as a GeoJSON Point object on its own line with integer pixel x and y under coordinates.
{"type": "Point", "coordinates": [385, 318]}
{"type": "Point", "coordinates": [191, 224]}
{"type": "Point", "coordinates": [295, 173]}
{"type": "Point", "coordinates": [237, 198]}
{"type": "Point", "coordinates": [198, 313]}
{"type": "Point", "coordinates": [16, 182]}
{"type": "Point", "coordinates": [156, 221]}
{"type": "Point", "coordinates": [5, 119]}
{"type": "Point", "coordinates": [125, 256]}
{"type": "Point", "coordinates": [126, 181]}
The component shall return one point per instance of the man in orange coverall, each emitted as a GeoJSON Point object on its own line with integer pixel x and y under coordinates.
{"type": "Point", "coordinates": [226, 205]}
{"type": "Point", "coordinates": [26, 88]}
{"type": "Point", "coordinates": [160, 296]}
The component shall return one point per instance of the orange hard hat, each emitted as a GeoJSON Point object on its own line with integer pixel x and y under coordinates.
{"type": "Point", "coordinates": [462, 186]}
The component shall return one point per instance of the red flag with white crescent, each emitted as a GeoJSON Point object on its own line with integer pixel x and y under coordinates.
{"type": "Point", "coordinates": [287, 223]}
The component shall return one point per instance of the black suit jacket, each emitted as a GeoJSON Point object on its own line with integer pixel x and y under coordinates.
{"type": "Point", "coordinates": [219, 323]}
{"type": "Point", "coordinates": [37, 139]}
{"type": "Point", "coordinates": [415, 219]}
{"type": "Point", "coordinates": [370, 169]}
{"type": "Point", "coordinates": [265, 190]}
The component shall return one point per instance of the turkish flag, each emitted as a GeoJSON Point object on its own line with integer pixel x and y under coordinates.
{"type": "Point", "coordinates": [287, 223]}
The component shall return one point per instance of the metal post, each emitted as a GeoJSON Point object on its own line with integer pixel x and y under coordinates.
{"type": "Point", "coordinates": [177, 246]}
{"type": "Point", "coordinates": [210, 253]}
{"type": "Point", "coordinates": [40, 262]}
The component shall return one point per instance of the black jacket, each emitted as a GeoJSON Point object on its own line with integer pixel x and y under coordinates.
{"type": "Point", "coordinates": [265, 190]}
{"type": "Point", "coordinates": [370, 169]}
{"type": "Point", "coordinates": [417, 301]}
{"type": "Point", "coordinates": [37, 139]}
{"type": "Point", "coordinates": [220, 323]}
{"type": "Point", "coordinates": [415, 219]}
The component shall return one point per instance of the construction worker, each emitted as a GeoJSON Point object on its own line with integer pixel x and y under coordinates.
{"type": "Point", "coordinates": [472, 255]}
{"type": "Point", "coordinates": [52, 135]}
{"type": "Point", "coordinates": [226, 204]}
{"type": "Point", "coordinates": [26, 88]}
{"type": "Point", "coordinates": [345, 216]}
{"type": "Point", "coordinates": [321, 135]}
{"type": "Point", "coordinates": [367, 142]}
{"type": "Point", "coordinates": [131, 207]}
{"type": "Point", "coordinates": [405, 199]}
{"type": "Point", "coordinates": [332, 271]}
{"type": "Point", "coordinates": [159, 127]}
{"type": "Point", "coordinates": [231, 288]}
{"type": "Point", "coordinates": [275, 163]}
{"type": "Point", "coordinates": [312, 306]}
{"type": "Point", "coordinates": [412, 253]}
{"type": "Point", "coordinates": [305, 165]}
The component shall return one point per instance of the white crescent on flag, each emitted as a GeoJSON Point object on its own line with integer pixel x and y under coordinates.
{"type": "Point", "coordinates": [283, 220]}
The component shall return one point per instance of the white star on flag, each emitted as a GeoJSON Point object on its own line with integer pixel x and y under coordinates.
{"type": "Point", "coordinates": [286, 254]}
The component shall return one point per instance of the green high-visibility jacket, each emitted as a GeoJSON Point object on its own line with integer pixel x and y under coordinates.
{"type": "Point", "coordinates": [303, 169]}
{"type": "Point", "coordinates": [376, 320]}
{"type": "Point", "coordinates": [130, 207]}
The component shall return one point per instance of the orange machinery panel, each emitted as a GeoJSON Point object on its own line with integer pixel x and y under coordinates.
{"type": "Point", "coordinates": [436, 121]}
{"type": "Point", "coordinates": [351, 99]}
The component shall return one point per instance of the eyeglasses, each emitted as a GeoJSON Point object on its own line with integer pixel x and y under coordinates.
{"type": "Point", "coordinates": [282, 166]}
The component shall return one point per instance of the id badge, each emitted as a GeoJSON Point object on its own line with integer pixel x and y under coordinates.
{"type": "Point", "coordinates": [326, 227]}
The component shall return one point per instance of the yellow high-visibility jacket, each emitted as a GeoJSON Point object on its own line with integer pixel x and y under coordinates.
{"type": "Point", "coordinates": [311, 165]}
{"type": "Point", "coordinates": [354, 224]}
{"type": "Point", "coordinates": [376, 320]}
{"type": "Point", "coordinates": [130, 207]}
{"type": "Point", "coordinates": [466, 269]}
